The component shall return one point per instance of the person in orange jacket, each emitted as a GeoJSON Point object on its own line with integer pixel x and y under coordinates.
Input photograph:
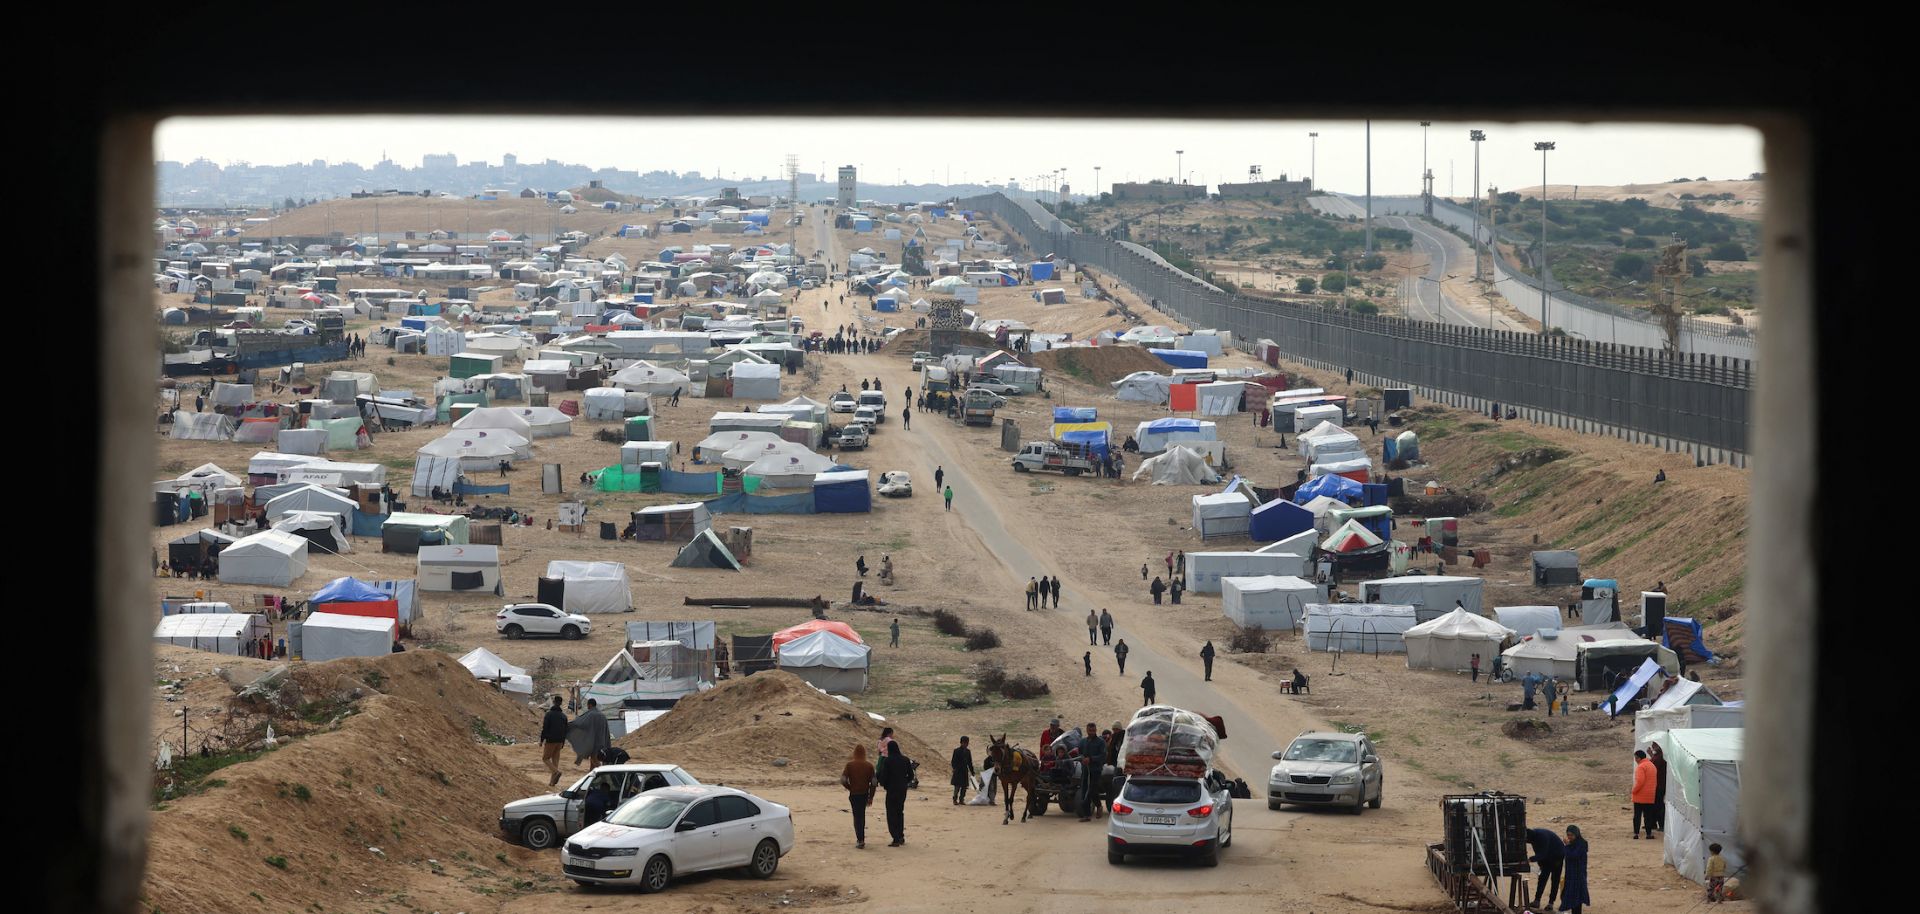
{"type": "Point", "coordinates": [1646, 785]}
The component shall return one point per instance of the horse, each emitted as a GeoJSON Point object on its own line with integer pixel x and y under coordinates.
{"type": "Point", "coordinates": [1013, 767]}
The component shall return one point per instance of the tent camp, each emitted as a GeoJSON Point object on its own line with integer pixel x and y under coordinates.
{"type": "Point", "coordinates": [1365, 628]}
{"type": "Point", "coordinates": [587, 587]}
{"type": "Point", "coordinates": [1273, 602]}
{"type": "Point", "coordinates": [1450, 641]}
{"type": "Point", "coordinates": [842, 492]}
{"type": "Point", "coordinates": [1528, 620]}
{"type": "Point", "coordinates": [1278, 520]}
{"type": "Point", "coordinates": [220, 633]}
{"type": "Point", "coordinates": [1159, 434]}
{"type": "Point", "coordinates": [1223, 514]}
{"type": "Point", "coordinates": [270, 557]}
{"type": "Point", "coordinates": [1556, 568]}
{"type": "Point", "coordinates": [1552, 653]}
{"type": "Point", "coordinates": [1143, 387]}
{"type": "Point", "coordinates": [671, 523]}
{"type": "Point", "coordinates": [1180, 466]}
{"type": "Point", "coordinates": [331, 636]}
{"type": "Point", "coordinates": [404, 532]}
{"type": "Point", "coordinates": [1703, 799]}
{"type": "Point", "coordinates": [752, 381]}
{"type": "Point", "coordinates": [826, 661]}
{"type": "Point", "coordinates": [1433, 595]}
{"type": "Point", "coordinates": [459, 569]}
{"type": "Point", "coordinates": [706, 551]}
{"type": "Point", "coordinates": [1206, 570]}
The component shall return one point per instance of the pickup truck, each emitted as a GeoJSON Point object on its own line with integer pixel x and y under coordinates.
{"type": "Point", "coordinates": [853, 437]}
{"type": "Point", "coordinates": [1049, 455]}
{"type": "Point", "coordinates": [979, 405]}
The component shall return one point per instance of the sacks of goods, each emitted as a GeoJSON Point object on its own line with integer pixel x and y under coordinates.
{"type": "Point", "coordinates": [1168, 742]}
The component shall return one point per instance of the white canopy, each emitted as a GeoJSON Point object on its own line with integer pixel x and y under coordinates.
{"type": "Point", "coordinates": [1434, 594]}
{"type": "Point", "coordinates": [1556, 652]}
{"type": "Point", "coordinates": [1366, 628]}
{"type": "Point", "coordinates": [827, 661]}
{"type": "Point", "coordinates": [790, 470]}
{"type": "Point", "coordinates": [1143, 386]}
{"type": "Point", "coordinates": [1224, 514]}
{"type": "Point", "coordinates": [1179, 466]}
{"type": "Point", "coordinates": [310, 498]}
{"type": "Point", "coordinates": [1449, 642]}
{"type": "Point", "coordinates": [221, 633]}
{"type": "Point", "coordinates": [1273, 602]}
{"type": "Point", "coordinates": [1206, 571]}
{"type": "Point", "coordinates": [593, 587]}
{"type": "Point", "coordinates": [495, 417]}
{"type": "Point", "coordinates": [717, 444]}
{"type": "Point", "coordinates": [485, 664]}
{"type": "Point", "coordinates": [330, 636]}
{"type": "Point", "coordinates": [1528, 620]}
{"type": "Point", "coordinates": [269, 557]}
{"type": "Point", "coordinates": [646, 377]}
{"type": "Point", "coordinates": [742, 456]}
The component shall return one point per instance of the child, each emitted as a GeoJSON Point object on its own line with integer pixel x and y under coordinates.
{"type": "Point", "coordinates": [1716, 874]}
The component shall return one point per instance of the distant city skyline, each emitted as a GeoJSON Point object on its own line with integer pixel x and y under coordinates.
{"type": "Point", "coordinates": [891, 151]}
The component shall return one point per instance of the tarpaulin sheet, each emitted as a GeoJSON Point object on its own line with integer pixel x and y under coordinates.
{"type": "Point", "coordinates": [365, 524]}
{"type": "Point", "coordinates": [1627, 690]}
{"type": "Point", "coordinates": [689, 483]}
{"type": "Point", "coordinates": [467, 488]}
{"type": "Point", "coordinates": [622, 478]}
{"type": "Point", "coordinates": [1183, 398]}
{"type": "Point", "coordinates": [743, 503]}
{"type": "Point", "coordinates": [1074, 414]}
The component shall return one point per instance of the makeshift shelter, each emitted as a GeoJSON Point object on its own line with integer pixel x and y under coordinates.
{"type": "Point", "coordinates": [842, 492]}
{"type": "Point", "coordinates": [309, 441]}
{"type": "Point", "coordinates": [1305, 418]}
{"type": "Point", "coordinates": [586, 587]}
{"type": "Point", "coordinates": [1273, 602]}
{"type": "Point", "coordinates": [1339, 488]}
{"type": "Point", "coordinates": [648, 674]}
{"type": "Point", "coordinates": [1358, 469]}
{"type": "Point", "coordinates": [270, 557]}
{"type": "Point", "coordinates": [1703, 799]}
{"type": "Point", "coordinates": [1528, 620]}
{"type": "Point", "coordinates": [648, 378]}
{"type": "Point", "coordinates": [827, 661]}
{"type": "Point", "coordinates": [790, 470]}
{"type": "Point", "coordinates": [485, 664]}
{"type": "Point", "coordinates": [1143, 387]}
{"type": "Point", "coordinates": [1301, 544]}
{"type": "Point", "coordinates": [1450, 641]}
{"type": "Point", "coordinates": [347, 386]}
{"type": "Point", "coordinates": [323, 530]}
{"type": "Point", "coordinates": [1364, 628]}
{"type": "Point", "coordinates": [440, 462]}
{"type": "Point", "coordinates": [755, 381]}
{"type": "Point", "coordinates": [1071, 414]}
{"type": "Point", "coordinates": [1350, 537]}
{"type": "Point", "coordinates": [706, 551]}
{"type": "Point", "coordinates": [604, 403]}
{"type": "Point", "coordinates": [1686, 638]}
{"type": "Point", "coordinates": [459, 569]}
{"type": "Point", "coordinates": [1558, 568]}
{"type": "Point", "coordinates": [635, 453]}
{"type": "Point", "coordinates": [349, 596]}
{"type": "Point", "coordinates": [1326, 438]}
{"type": "Point", "coordinates": [198, 546]}
{"type": "Point", "coordinates": [1180, 466]}
{"type": "Point", "coordinates": [331, 636]}
{"type": "Point", "coordinates": [1227, 514]}
{"type": "Point", "coordinates": [1553, 652]}
{"type": "Point", "coordinates": [790, 633]}
{"type": "Point", "coordinates": [1277, 520]}
{"type": "Point", "coordinates": [470, 364]}
{"type": "Point", "coordinates": [310, 498]}
{"type": "Point", "coordinates": [1432, 595]}
{"type": "Point", "coordinates": [671, 523]}
{"type": "Point", "coordinates": [495, 417]}
{"type": "Point", "coordinates": [1159, 434]}
{"type": "Point", "coordinates": [1220, 398]}
{"type": "Point", "coordinates": [405, 532]}
{"type": "Point", "coordinates": [1378, 518]}
{"type": "Point", "coordinates": [713, 447]}
{"type": "Point", "coordinates": [200, 426]}
{"type": "Point", "coordinates": [233, 633]}
{"type": "Point", "coordinates": [1604, 665]}
{"type": "Point", "coordinates": [1205, 570]}
{"type": "Point", "coordinates": [1686, 716]}
{"type": "Point", "coordinates": [1180, 358]}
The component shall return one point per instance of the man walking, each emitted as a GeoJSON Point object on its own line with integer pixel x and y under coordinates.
{"type": "Point", "coordinates": [1146, 689]}
{"type": "Point", "coordinates": [858, 778]}
{"type": "Point", "coordinates": [1033, 592]}
{"type": "Point", "coordinates": [1093, 758]}
{"type": "Point", "coordinates": [939, 477]}
{"type": "Point", "coordinates": [1120, 655]}
{"type": "Point", "coordinates": [1206, 658]}
{"type": "Point", "coordinates": [1056, 591]}
{"type": "Point", "coordinates": [553, 735]}
{"type": "Point", "coordinates": [1093, 626]}
{"type": "Point", "coordinates": [906, 417]}
{"type": "Point", "coordinates": [1157, 588]}
{"type": "Point", "coordinates": [1106, 626]}
{"type": "Point", "coordinates": [962, 765]}
{"type": "Point", "coordinates": [949, 496]}
{"type": "Point", "coordinates": [1086, 660]}
{"type": "Point", "coordinates": [894, 629]}
{"type": "Point", "coordinates": [896, 778]}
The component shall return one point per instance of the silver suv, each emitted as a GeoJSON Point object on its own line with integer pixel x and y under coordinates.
{"type": "Point", "coordinates": [1327, 769]}
{"type": "Point", "coordinates": [546, 820]}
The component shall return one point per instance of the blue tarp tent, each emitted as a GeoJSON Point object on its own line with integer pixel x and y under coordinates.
{"type": "Point", "coordinates": [1171, 424]}
{"type": "Point", "coordinates": [1093, 440]}
{"type": "Point", "coordinates": [413, 323]}
{"type": "Point", "coordinates": [1376, 494]}
{"type": "Point", "coordinates": [1181, 358]}
{"type": "Point", "coordinates": [842, 492]}
{"type": "Point", "coordinates": [349, 590]}
{"type": "Point", "coordinates": [1039, 271]}
{"type": "Point", "coordinates": [1277, 520]}
{"type": "Point", "coordinates": [644, 298]}
{"type": "Point", "coordinates": [1692, 641]}
{"type": "Point", "coordinates": [1075, 414]}
{"type": "Point", "coordinates": [1330, 485]}
{"type": "Point", "coordinates": [743, 503]}
{"type": "Point", "coordinates": [365, 524]}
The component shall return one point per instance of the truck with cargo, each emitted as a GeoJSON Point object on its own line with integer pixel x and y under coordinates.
{"type": "Point", "coordinates": [1071, 459]}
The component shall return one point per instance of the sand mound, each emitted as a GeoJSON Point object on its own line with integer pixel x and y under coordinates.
{"type": "Point", "coordinates": [908, 342]}
{"type": "Point", "coordinates": [747, 723]}
{"type": "Point", "coordinates": [300, 824]}
{"type": "Point", "coordinates": [428, 677]}
{"type": "Point", "coordinates": [1099, 364]}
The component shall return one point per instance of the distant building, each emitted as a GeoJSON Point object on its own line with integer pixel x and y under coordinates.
{"type": "Point", "coordinates": [448, 160]}
{"type": "Point", "coordinates": [509, 160]}
{"type": "Point", "coordinates": [845, 198]}
{"type": "Point", "coordinates": [1159, 190]}
{"type": "Point", "coordinates": [1279, 188]}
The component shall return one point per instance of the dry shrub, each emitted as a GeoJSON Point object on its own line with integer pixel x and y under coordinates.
{"type": "Point", "coordinates": [1024, 685]}
{"type": "Point", "coordinates": [1527, 728]}
{"type": "Point", "coordinates": [989, 676]}
{"type": "Point", "coordinates": [1250, 640]}
{"type": "Point", "coordinates": [981, 639]}
{"type": "Point", "coordinates": [949, 624]}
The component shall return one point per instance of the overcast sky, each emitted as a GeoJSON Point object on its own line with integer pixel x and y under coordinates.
{"type": "Point", "coordinates": [940, 150]}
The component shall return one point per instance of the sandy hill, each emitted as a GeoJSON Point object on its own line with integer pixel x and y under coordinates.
{"type": "Point", "coordinates": [1098, 364]}
{"type": "Point", "coordinates": [357, 817]}
{"type": "Point", "coordinates": [744, 724]}
{"type": "Point", "coordinates": [1749, 197]}
{"type": "Point", "coordinates": [470, 218]}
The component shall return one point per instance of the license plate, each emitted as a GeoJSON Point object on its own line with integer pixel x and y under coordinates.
{"type": "Point", "coordinates": [1157, 820]}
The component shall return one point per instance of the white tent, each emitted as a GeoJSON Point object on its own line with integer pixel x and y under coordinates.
{"type": "Point", "coordinates": [325, 531]}
{"type": "Point", "coordinates": [459, 569]}
{"type": "Point", "coordinates": [545, 421]}
{"type": "Point", "coordinates": [331, 636]}
{"type": "Point", "coordinates": [494, 417]}
{"type": "Point", "coordinates": [646, 377]}
{"type": "Point", "coordinates": [1554, 653]}
{"type": "Point", "coordinates": [605, 403]}
{"type": "Point", "coordinates": [1180, 466]}
{"type": "Point", "coordinates": [1225, 514]}
{"type": "Point", "coordinates": [1434, 595]}
{"type": "Point", "coordinates": [715, 446]}
{"type": "Point", "coordinates": [1300, 544]}
{"type": "Point", "coordinates": [220, 633]}
{"type": "Point", "coordinates": [1206, 570]}
{"type": "Point", "coordinates": [1221, 398]}
{"type": "Point", "coordinates": [806, 409]}
{"type": "Point", "coordinates": [485, 664]}
{"type": "Point", "coordinates": [1528, 620]}
{"type": "Point", "coordinates": [1153, 440]}
{"type": "Point", "coordinates": [345, 386]}
{"type": "Point", "coordinates": [1144, 387]}
{"type": "Point", "coordinates": [1365, 628]}
{"type": "Point", "coordinates": [1326, 438]}
{"type": "Point", "coordinates": [1273, 602]}
{"type": "Point", "coordinates": [1450, 641]}
{"type": "Point", "coordinates": [790, 470]}
{"type": "Point", "coordinates": [441, 461]}
{"type": "Point", "coordinates": [741, 456]}
{"type": "Point", "coordinates": [593, 587]}
{"type": "Point", "coordinates": [206, 476]}
{"type": "Point", "coordinates": [1306, 418]}
{"type": "Point", "coordinates": [269, 557]}
{"type": "Point", "coordinates": [310, 498]}
{"type": "Point", "coordinates": [306, 441]}
{"type": "Point", "coordinates": [1703, 799]}
{"type": "Point", "coordinates": [756, 381]}
{"type": "Point", "coordinates": [1358, 468]}
{"type": "Point", "coordinates": [635, 453]}
{"type": "Point", "coordinates": [1686, 717]}
{"type": "Point", "coordinates": [225, 394]}
{"type": "Point", "coordinates": [200, 426]}
{"type": "Point", "coordinates": [827, 661]}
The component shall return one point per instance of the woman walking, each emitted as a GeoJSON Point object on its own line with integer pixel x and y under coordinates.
{"type": "Point", "coordinates": [857, 777]}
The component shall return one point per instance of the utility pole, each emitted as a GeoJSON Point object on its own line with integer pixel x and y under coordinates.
{"type": "Point", "coordinates": [1543, 148]}
{"type": "Point", "coordinates": [1426, 173]}
{"type": "Point", "coordinates": [1096, 182]}
{"type": "Point", "coordinates": [1369, 249]}
{"type": "Point", "coordinates": [1477, 136]}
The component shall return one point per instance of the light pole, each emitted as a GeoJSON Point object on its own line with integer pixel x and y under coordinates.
{"type": "Point", "coordinates": [1478, 137]}
{"type": "Point", "coordinates": [1313, 159]}
{"type": "Point", "coordinates": [1177, 166]}
{"type": "Point", "coordinates": [1096, 182]}
{"type": "Point", "coordinates": [1426, 183]}
{"type": "Point", "coordinates": [1543, 148]}
{"type": "Point", "coordinates": [1369, 250]}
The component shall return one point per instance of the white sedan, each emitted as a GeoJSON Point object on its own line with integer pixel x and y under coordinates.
{"type": "Point", "coordinates": [517, 620]}
{"type": "Point", "coordinates": [676, 830]}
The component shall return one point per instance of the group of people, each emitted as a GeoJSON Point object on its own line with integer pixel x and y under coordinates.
{"type": "Point", "coordinates": [265, 648]}
{"type": "Point", "coordinates": [1176, 580]}
{"type": "Point", "coordinates": [1039, 588]}
{"type": "Point", "coordinates": [207, 568]}
{"type": "Point", "coordinates": [893, 774]}
{"type": "Point", "coordinates": [588, 734]}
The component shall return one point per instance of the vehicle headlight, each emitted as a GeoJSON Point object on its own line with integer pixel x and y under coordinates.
{"type": "Point", "coordinates": [1343, 779]}
{"type": "Point", "coordinates": [621, 851]}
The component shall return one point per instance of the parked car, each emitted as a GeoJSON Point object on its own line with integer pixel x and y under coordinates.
{"type": "Point", "coordinates": [994, 387]}
{"type": "Point", "coordinates": [517, 620]}
{"type": "Point", "coordinates": [678, 830]}
{"type": "Point", "coordinates": [852, 437]}
{"type": "Point", "coordinates": [920, 360]}
{"type": "Point", "coordinates": [1190, 817]}
{"type": "Point", "coordinates": [840, 402]}
{"type": "Point", "coordinates": [1327, 769]}
{"type": "Point", "coordinates": [867, 416]}
{"type": "Point", "coordinates": [546, 820]}
{"type": "Point", "coordinates": [895, 484]}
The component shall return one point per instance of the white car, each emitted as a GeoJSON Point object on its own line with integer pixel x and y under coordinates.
{"type": "Point", "coordinates": [517, 620]}
{"type": "Point", "coordinates": [896, 484]}
{"type": "Point", "coordinates": [543, 821]}
{"type": "Point", "coordinates": [867, 416]}
{"type": "Point", "coordinates": [841, 402]}
{"type": "Point", "coordinates": [675, 830]}
{"type": "Point", "coordinates": [1190, 817]}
